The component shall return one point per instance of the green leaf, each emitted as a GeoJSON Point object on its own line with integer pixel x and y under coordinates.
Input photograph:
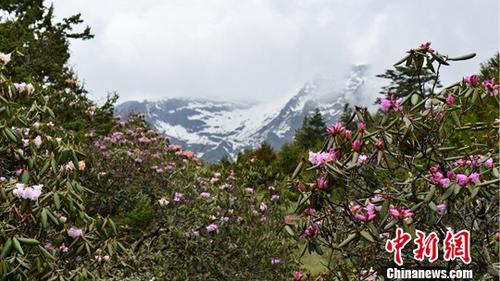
{"type": "Point", "coordinates": [297, 170]}
{"type": "Point", "coordinates": [8, 132]}
{"type": "Point", "coordinates": [440, 59]}
{"type": "Point", "coordinates": [403, 60]}
{"type": "Point", "coordinates": [347, 240]}
{"type": "Point", "coordinates": [447, 193]}
{"type": "Point", "coordinates": [433, 206]}
{"type": "Point", "coordinates": [464, 57]}
{"type": "Point", "coordinates": [390, 224]}
{"type": "Point", "coordinates": [25, 176]}
{"type": "Point", "coordinates": [367, 236]}
{"type": "Point", "coordinates": [45, 253]}
{"type": "Point", "coordinates": [473, 192]}
{"type": "Point", "coordinates": [414, 99]}
{"type": "Point", "coordinates": [28, 241]}
{"type": "Point", "coordinates": [17, 246]}
{"type": "Point", "coordinates": [44, 218]}
{"type": "Point", "coordinates": [289, 230]}
{"type": "Point", "coordinates": [113, 226]}
{"type": "Point", "coordinates": [57, 201]}
{"type": "Point", "coordinates": [7, 247]}
{"type": "Point", "coordinates": [430, 194]}
{"type": "Point", "coordinates": [455, 118]}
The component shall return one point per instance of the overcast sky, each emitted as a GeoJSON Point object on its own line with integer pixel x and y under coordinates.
{"type": "Point", "coordinates": [264, 50]}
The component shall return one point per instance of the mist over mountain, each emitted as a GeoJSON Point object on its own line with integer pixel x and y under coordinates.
{"type": "Point", "coordinates": [215, 129]}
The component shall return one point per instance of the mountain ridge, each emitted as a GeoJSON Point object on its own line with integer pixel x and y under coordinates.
{"type": "Point", "coordinates": [215, 129]}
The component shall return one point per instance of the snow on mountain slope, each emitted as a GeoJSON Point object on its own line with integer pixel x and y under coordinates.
{"type": "Point", "coordinates": [214, 129]}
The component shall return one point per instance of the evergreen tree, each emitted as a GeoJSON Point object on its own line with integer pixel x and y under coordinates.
{"type": "Point", "coordinates": [265, 153]}
{"type": "Point", "coordinates": [346, 117]}
{"type": "Point", "coordinates": [490, 68]}
{"type": "Point", "coordinates": [312, 132]}
{"type": "Point", "coordinates": [40, 54]}
{"type": "Point", "coordinates": [288, 158]}
{"type": "Point", "coordinates": [28, 28]}
{"type": "Point", "coordinates": [403, 81]}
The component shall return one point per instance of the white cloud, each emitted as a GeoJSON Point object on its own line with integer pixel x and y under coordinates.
{"type": "Point", "coordinates": [263, 49]}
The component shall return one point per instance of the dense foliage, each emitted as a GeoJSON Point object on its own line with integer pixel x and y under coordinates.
{"type": "Point", "coordinates": [84, 196]}
{"type": "Point", "coordinates": [45, 231]}
{"type": "Point", "coordinates": [427, 161]}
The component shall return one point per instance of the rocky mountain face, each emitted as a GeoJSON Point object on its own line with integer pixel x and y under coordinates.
{"type": "Point", "coordinates": [214, 129]}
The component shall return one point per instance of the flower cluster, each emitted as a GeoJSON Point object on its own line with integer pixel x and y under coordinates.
{"type": "Point", "coordinates": [31, 193]}
{"type": "Point", "coordinates": [321, 158]}
{"type": "Point", "coordinates": [390, 104]}
{"type": "Point", "coordinates": [401, 213]}
{"type": "Point", "coordinates": [438, 178]}
{"type": "Point", "coordinates": [364, 213]}
{"type": "Point", "coordinates": [339, 129]}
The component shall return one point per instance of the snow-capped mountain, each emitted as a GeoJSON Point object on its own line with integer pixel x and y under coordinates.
{"type": "Point", "coordinates": [215, 129]}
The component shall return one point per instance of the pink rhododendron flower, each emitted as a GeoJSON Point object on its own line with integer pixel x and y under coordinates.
{"type": "Point", "coordinates": [356, 145]}
{"type": "Point", "coordinates": [400, 213]}
{"type": "Point", "coordinates": [474, 177]}
{"type": "Point", "coordinates": [380, 144]}
{"type": "Point", "coordinates": [427, 46]}
{"type": "Point", "coordinates": [388, 104]}
{"type": "Point", "coordinates": [362, 159]}
{"type": "Point", "coordinates": [321, 158]}
{"type": "Point", "coordinates": [309, 211]}
{"type": "Point", "coordinates": [297, 275]}
{"type": "Point", "coordinates": [275, 198]}
{"type": "Point", "coordinates": [63, 248]}
{"type": "Point", "coordinates": [75, 232]}
{"type": "Point", "coordinates": [441, 208]}
{"type": "Point", "coordinates": [205, 194]}
{"type": "Point", "coordinates": [462, 179]}
{"type": "Point", "coordinates": [301, 186]}
{"type": "Point", "coordinates": [212, 227]}
{"type": "Point", "coordinates": [275, 261]}
{"type": "Point", "coordinates": [444, 182]}
{"type": "Point", "coordinates": [174, 147]}
{"type": "Point", "coordinates": [321, 183]}
{"type": "Point", "coordinates": [346, 134]}
{"type": "Point", "coordinates": [178, 196]}
{"type": "Point", "coordinates": [361, 127]}
{"type": "Point", "coordinates": [311, 230]}
{"type": "Point", "coordinates": [37, 141]}
{"type": "Point", "coordinates": [263, 206]}
{"type": "Point", "coordinates": [471, 80]}
{"type": "Point", "coordinates": [364, 213]}
{"type": "Point", "coordinates": [491, 86]}
{"type": "Point", "coordinates": [488, 163]}
{"type": "Point", "coordinates": [335, 129]}
{"type": "Point", "coordinates": [437, 177]}
{"type": "Point", "coordinates": [450, 100]}
{"type": "Point", "coordinates": [144, 140]}
{"type": "Point", "coordinates": [23, 87]}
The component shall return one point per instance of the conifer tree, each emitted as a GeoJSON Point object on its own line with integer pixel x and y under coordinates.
{"type": "Point", "coordinates": [313, 130]}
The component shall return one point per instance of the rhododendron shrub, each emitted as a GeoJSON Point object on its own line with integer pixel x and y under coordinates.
{"type": "Point", "coordinates": [426, 161]}
{"type": "Point", "coordinates": [183, 219]}
{"type": "Point", "coordinates": [45, 232]}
